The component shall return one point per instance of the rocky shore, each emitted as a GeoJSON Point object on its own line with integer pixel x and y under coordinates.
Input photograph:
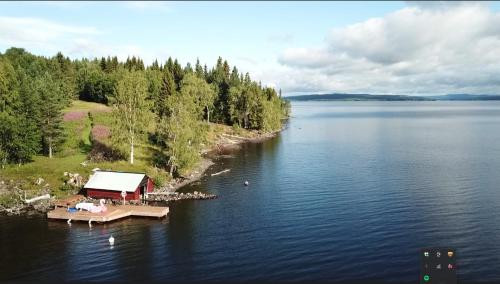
{"type": "Point", "coordinates": [176, 196]}
{"type": "Point", "coordinates": [225, 144]}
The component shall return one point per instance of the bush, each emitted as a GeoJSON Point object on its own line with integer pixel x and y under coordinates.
{"type": "Point", "coordinates": [159, 176]}
{"type": "Point", "coordinates": [66, 187]}
{"type": "Point", "coordinates": [101, 152]}
{"type": "Point", "coordinates": [8, 200]}
{"type": "Point", "coordinates": [160, 180]}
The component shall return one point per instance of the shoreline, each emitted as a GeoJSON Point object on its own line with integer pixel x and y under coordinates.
{"type": "Point", "coordinates": [224, 143]}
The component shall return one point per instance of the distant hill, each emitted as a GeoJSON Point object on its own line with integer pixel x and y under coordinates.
{"type": "Point", "coordinates": [466, 97]}
{"type": "Point", "coordinates": [357, 97]}
{"type": "Point", "coordinates": [368, 97]}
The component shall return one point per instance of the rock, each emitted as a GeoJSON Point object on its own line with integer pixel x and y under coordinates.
{"type": "Point", "coordinates": [39, 181]}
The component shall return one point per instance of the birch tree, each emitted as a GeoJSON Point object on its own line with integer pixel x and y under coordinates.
{"type": "Point", "coordinates": [131, 110]}
{"type": "Point", "coordinates": [181, 133]}
{"type": "Point", "coordinates": [201, 92]}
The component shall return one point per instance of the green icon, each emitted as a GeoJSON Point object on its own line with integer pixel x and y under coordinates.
{"type": "Point", "coordinates": [426, 278]}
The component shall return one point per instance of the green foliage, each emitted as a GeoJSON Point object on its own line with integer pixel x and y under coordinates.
{"type": "Point", "coordinates": [35, 91]}
{"type": "Point", "coordinates": [131, 111]}
{"type": "Point", "coordinates": [51, 105]}
{"type": "Point", "coordinates": [167, 89]}
{"type": "Point", "coordinates": [93, 84]}
{"type": "Point", "coordinates": [159, 176]}
{"type": "Point", "coordinates": [180, 132]}
{"type": "Point", "coordinates": [19, 134]}
{"type": "Point", "coordinates": [201, 92]}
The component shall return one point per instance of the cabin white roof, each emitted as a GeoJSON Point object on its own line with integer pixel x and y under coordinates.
{"type": "Point", "coordinates": [115, 181]}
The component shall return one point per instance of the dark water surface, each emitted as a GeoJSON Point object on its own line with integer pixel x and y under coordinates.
{"type": "Point", "coordinates": [349, 191]}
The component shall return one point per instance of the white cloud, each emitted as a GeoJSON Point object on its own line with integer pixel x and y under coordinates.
{"type": "Point", "coordinates": [431, 49]}
{"type": "Point", "coordinates": [45, 37]}
{"type": "Point", "coordinates": [35, 30]}
{"type": "Point", "coordinates": [42, 36]}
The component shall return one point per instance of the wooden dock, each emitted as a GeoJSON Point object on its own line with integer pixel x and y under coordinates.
{"type": "Point", "coordinates": [113, 213]}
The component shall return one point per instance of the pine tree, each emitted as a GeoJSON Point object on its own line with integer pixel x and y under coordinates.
{"type": "Point", "coordinates": [155, 65]}
{"type": "Point", "coordinates": [205, 72]}
{"type": "Point", "coordinates": [50, 112]}
{"type": "Point", "coordinates": [167, 89]}
{"type": "Point", "coordinates": [198, 69]}
{"type": "Point", "coordinates": [169, 65]}
{"type": "Point", "coordinates": [178, 73]}
{"type": "Point", "coordinates": [103, 64]}
{"type": "Point", "coordinates": [234, 78]}
{"type": "Point", "coordinates": [226, 69]}
{"type": "Point", "coordinates": [114, 63]}
{"type": "Point", "coordinates": [188, 69]}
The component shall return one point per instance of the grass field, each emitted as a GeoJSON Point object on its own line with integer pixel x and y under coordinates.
{"type": "Point", "coordinates": [73, 155]}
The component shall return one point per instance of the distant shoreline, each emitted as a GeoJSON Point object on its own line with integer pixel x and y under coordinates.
{"type": "Point", "coordinates": [369, 97]}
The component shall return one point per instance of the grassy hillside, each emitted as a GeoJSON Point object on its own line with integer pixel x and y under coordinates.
{"type": "Point", "coordinates": [86, 124]}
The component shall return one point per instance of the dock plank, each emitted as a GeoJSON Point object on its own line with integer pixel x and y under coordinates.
{"type": "Point", "coordinates": [114, 213]}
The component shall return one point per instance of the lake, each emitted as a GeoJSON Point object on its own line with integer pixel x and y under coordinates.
{"type": "Point", "coordinates": [348, 191]}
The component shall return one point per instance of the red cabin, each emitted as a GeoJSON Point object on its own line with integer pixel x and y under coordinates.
{"type": "Point", "coordinates": [109, 184]}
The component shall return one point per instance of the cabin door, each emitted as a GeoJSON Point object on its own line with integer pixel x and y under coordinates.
{"type": "Point", "coordinates": [143, 191]}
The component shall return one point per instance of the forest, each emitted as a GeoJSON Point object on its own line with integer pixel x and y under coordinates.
{"type": "Point", "coordinates": [165, 105]}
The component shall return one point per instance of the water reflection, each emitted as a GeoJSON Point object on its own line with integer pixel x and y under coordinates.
{"type": "Point", "coordinates": [348, 191]}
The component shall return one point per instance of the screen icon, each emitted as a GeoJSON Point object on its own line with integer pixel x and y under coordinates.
{"type": "Point", "coordinates": [438, 265]}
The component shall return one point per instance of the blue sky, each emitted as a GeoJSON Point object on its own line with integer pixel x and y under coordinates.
{"type": "Point", "coordinates": [302, 47]}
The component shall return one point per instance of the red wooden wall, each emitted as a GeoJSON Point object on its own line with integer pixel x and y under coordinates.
{"type": "Point", "coordinates": [101, 193]}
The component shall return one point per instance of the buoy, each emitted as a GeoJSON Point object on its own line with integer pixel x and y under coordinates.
{"type": "Point", "coordinates": [246, 183]}
{"type": "Point", "coordinates": [90, 223]}
{"type": "Point", "coordinates": [69, 221]}
{"type": "Point", "coordinates": [111, 240]}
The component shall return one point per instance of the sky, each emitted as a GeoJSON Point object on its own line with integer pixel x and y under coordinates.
{"type": "Point", "coordinates": [411, 48]}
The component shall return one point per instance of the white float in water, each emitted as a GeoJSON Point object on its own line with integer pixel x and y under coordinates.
{"type": "Point", "coordinates": [111, 240]}
{"type": "Point", "coordinates": [246, 183]}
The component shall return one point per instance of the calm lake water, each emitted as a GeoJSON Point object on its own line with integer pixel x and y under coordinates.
{"type": "Point", "coordinates": [349, 191]}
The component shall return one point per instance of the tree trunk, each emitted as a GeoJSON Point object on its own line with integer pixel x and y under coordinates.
{"type": "Point", "coordinates": [208, 115]}
{"type": "Point", "coordinates": [132, 153]}
{"type": "Point", "coordinates": [171, 170]}
{"type": "Point", "coordinates": [50, 148]}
